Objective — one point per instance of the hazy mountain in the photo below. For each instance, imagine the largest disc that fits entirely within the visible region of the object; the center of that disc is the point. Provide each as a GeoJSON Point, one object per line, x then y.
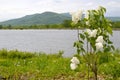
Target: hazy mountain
{"type": "Point", "coordinates": [114, 18]}
{"type": "Point", "coordinates": [66, 14]}
{"type": "Point", "coordinates": [43, 18]}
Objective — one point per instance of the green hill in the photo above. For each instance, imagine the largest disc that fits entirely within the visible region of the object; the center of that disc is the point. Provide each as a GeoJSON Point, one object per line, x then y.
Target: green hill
{"type": "Point", "coordinates": [38, 19]}
{"type": "Point", "coordinates": [43, 18]}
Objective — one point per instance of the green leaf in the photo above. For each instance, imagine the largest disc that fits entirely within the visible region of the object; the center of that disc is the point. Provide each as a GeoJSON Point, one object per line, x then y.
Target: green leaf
{"type": "Point", "coordinates": [82, 36]}
{"type": "Point", "coordinates": [82, 49]}
{"type": "Point", "coordinates": [73, 24]}
{"type": "Point", "coordinates": [78, 44]}
{"type": "Point", "coordinates": [78, 51]}
{"type": "Point", "coordinates": [104, 9]}
{"type": "Point", "coordinates": [81, 42]}
{"type": "Point", "coordinates": [112, 47]}
{"type": "Point", "coordinates": [74, 44]}
{"type": "Point", "coordinates": [110, 42]}
{"type": "Point", "coordinates": [107, 49]}
{"type": "Point", "coordinates": [109, 29]}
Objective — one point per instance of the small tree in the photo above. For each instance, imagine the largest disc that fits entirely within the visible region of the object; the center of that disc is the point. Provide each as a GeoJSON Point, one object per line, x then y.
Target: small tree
{"type": "Point", "coordinates": [96, 32]}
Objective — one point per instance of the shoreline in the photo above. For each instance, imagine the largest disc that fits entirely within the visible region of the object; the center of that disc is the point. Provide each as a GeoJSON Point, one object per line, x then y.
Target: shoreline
{"type": "Point", "coordinates": [116, 29]}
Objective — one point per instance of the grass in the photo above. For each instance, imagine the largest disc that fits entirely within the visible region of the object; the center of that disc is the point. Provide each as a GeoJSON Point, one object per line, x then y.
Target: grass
{"type": "Point", "coordinates": [17, 65]}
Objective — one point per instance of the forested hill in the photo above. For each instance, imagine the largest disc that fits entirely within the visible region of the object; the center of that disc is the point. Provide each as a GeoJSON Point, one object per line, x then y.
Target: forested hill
{"type": "Point", "coordinates": [38, 19]}
{"type": "Point", "coordinates": [45, 18]}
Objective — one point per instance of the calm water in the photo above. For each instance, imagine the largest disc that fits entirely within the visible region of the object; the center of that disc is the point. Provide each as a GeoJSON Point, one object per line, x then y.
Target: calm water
{"type": "Point", "coordinates": [48, 41]}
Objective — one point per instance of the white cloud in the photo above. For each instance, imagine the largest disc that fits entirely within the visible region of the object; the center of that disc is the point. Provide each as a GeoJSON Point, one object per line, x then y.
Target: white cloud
{"type": "Point", "coordinates": [17, 8]}
{"type": "Point", "coordinates": [113, 4]}
{"type": "Point", "coordinates": [89, 4]}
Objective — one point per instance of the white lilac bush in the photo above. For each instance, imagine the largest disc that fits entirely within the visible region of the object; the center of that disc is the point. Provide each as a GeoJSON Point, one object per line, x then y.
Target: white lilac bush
{"type": "Point", "coordinates": [96, 30]}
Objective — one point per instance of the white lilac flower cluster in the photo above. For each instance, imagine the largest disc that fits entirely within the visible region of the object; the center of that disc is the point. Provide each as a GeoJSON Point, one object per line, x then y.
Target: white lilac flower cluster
{"type": "Point", "coordinates": [76, 16]}
{"type": "Point", "coordinates": [74, 63]}
{"type": "Point", "coordinates": [99, 40]}
{"type": "Point", "coordinates": [91, 33]}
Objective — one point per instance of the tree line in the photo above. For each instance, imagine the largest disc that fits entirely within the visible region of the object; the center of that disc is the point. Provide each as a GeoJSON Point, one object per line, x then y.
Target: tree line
{"type": "Point", "coordinates": [65, 25]}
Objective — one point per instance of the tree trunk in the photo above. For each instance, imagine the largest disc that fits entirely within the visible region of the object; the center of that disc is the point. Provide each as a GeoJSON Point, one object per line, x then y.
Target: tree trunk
{"type": "Point", "coordinates": [95, 75]}
{"type": "Point", "coordinates": [95, 71]}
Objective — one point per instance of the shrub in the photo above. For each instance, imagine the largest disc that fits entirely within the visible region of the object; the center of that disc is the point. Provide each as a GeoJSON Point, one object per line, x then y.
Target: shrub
{"type": "Point", "coordinates": [3, 53]}
{"type": "Point", "coordinates": [16, 54]}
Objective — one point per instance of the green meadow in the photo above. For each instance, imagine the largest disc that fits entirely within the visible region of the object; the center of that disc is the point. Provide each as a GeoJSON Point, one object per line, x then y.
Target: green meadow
{"type": "Point", "coordinates": [17, 65]}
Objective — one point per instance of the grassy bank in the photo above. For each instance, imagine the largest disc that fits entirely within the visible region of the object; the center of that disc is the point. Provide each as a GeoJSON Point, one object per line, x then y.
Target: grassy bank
{"type": "Point", "coordinates": [17, 65]}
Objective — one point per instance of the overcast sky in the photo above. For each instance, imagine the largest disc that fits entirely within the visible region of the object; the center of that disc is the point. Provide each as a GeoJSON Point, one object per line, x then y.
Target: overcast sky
{"type": "Point", "coordinates": [10, 9]}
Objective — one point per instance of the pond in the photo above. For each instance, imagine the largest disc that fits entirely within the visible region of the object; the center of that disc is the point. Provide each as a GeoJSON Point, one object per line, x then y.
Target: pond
{"type": "Point", "coordinates": [48, 41]}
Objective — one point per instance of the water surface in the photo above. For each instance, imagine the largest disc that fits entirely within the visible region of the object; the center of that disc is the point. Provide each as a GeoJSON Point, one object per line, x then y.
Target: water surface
{"type": "Point", "coordinates": [48, 41]}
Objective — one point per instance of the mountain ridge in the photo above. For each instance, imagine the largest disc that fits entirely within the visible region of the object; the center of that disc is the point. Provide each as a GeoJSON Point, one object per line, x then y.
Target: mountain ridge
{"type": "Point", "coordinates": [38, 19]}
{"type": "Point", "coordinates": [44, 18]}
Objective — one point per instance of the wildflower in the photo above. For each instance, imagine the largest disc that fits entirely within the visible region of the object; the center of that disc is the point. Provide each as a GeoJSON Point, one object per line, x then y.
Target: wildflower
{"type": "Point", "coordinates": [76, 16]}
{"type": "Point", "coordinates": [99, 45]}
{"type": "Point", "coordinates": [99, 39]}
{"type": "Point", "coordinates": [73, 66]}
{"type": "Point", "coordinates": [118, 62]}
{"type": "Point", "coordinates": [17, 65]}
{"type": "Point", "coordinates": [75, 60]}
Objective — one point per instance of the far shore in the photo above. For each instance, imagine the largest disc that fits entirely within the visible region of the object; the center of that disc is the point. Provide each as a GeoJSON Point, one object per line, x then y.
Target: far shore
{"type": "Point", "coordinates": [116, 29]}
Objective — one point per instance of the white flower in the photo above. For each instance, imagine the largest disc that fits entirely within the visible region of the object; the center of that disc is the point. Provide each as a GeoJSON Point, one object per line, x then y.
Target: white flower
{"type": "Point", "coordinates": [73, 66]}
{"type": "Point", "coordinates": [99, 39]}
{"type": "Point", "coordinates": [88, 31]}
{"type": "Point", "coordinates": [99, 42]}
{"type": "Point", "coordinates": [93, 33]}
{"type": "Point", "coordinates": [76, 16]}
{"type": "Point", "coordinates": [99, 45]}
{"type": "Point", "coordinates": [75, 60]}
{"type": "Point", "coordinates": [74, 63]}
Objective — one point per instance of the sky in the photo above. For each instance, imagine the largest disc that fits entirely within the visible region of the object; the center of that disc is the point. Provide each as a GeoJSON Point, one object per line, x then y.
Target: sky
{"type": "Point", "coordinates": [10, 9]}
